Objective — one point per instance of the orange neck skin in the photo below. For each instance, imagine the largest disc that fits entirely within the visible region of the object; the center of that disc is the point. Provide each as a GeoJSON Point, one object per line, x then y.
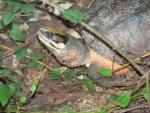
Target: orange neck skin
{"type": "Point", "coordinates": [105, 63]}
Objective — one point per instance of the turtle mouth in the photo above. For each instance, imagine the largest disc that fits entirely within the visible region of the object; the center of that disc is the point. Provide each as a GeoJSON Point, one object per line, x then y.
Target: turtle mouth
{"type": "Point", "coordinates": [50, 40]}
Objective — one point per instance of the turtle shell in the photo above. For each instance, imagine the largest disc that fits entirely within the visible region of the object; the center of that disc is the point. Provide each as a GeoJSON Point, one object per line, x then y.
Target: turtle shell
{"type": "Point", "coordinates": [126, 23]}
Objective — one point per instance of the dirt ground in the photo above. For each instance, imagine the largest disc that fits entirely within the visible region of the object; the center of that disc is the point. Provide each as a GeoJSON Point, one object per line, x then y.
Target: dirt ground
{"type": "Point", "coordinates": [50, 96]}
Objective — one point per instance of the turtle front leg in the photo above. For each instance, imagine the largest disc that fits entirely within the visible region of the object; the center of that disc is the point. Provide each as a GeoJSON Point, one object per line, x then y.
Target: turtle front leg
{"type": "Point", "coordinates": [115, 81]}
{"type": "Point", "coordinates": [98, 62]}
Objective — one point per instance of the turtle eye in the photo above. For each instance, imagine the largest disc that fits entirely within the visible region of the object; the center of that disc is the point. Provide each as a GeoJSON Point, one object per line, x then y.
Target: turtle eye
{"type": "Point", "coordinates": [47, 34]}
{"type": "Point", "coordinates": [50, 35]}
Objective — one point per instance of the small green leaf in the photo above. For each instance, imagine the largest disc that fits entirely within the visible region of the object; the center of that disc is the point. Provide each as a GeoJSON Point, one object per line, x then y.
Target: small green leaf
{"type": "Point", "coordinates": [101, 111]}
{"type": "Point", "coordinates": [14, 79]}
{"type": "Point", "coordinates": [17, 35]}
{"type": "Point", "coordinates": [105, 72]}
{"type": "Point", "coordinates": [146, 93]}
{"type": "Point", "coordinates": [33, 88]}
{"type": "Point", "coordinates": [1, 24]}
{"type": "Point", "coordinates": [55, 74]}
{"type": "Point", "coordinates": [22, 99]}
{"type": "Point", "coordinates": [113, 97]}
{"type": "Point", "coordinates": [5, 72]}
{"type": "Point", "coordinates": [33, 65]}
{"type": "Point", "coordinates": [14, 85]}
{"type": "Point", "coordinates": [66, 109]}
{"type": "Point", "coordinates": [123, 99]}
{"type": "Point", "coordinates": [27, 8]}
{"type": "Point", "coordinates": [68, 74]}
{"type": "Point", "coordinates": [7, 18]}
{"type": "Point", "coordinates": [4, 94]}
{"type": "Point", "coordinates": [39, 67]}
{"type": "Point", "coordinates": [9, 108]}
{"type": "Point", "coordinates": [36, 56]}
{"type": "Point", "coordinates": [15, 7]}
{"type": "Point", "coordinates": [1, 57]}
{"type": "Point", "coordinates": [21, 53]}
{"type": "Point", "coordinates": [89, 84]}
{"type": "Point", "coordinates": [16, 25]}
{"type": "Point", "coordinates": [74, 16]}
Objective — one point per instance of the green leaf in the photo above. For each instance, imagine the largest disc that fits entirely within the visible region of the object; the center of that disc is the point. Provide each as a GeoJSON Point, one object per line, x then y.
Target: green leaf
{"type": "Point", "coordinates": [146, 93]}
{"type": "Point", "coordinates": [14, 79]}
{"type": "Point", "coordinates": [1, 61]}
{"type": "Point", "coordinates": [1, 24]}
{"type": "Point", "coordinates": [14, 85]}
{"type": "Point", "coordinates": [17, 35]}
{"type": "Point", "coordinates": [9, 108]}
{"type": "Point", "coordinates": [7, 18]}
{"type": "Point", "coordinates": [66, 109]}
{"type": "Point", "coordinates": [22, 98]}
{"type": "Point", "coordinates": [74, 16]}
{"type": "Point", "coordinates": [101, 111]}
{"type": "Point", "coordinates": [16, 25]}
{"type": "Point", "coordinates": [105, 72]}
{"type": "Point", "coordinates": [15, 7]}
{"type": "Point", "coordinates": [4, 94]}
{"type": "Point", "coordinates": [39, 67]}
{"type": "Point", "coordinates": [33, 65]}
{"type": "Point", "coordinates": [27, 8]}
{"type": "Point", "coordinates": [33, 87]}
{"type": "Point", "coordinates": [36, 56]}
{"type": "Point", "coordinates": [5, 72]}
{"type": "Point", "coordinates": [113, 97]}
{"type": "Point", "coordinates": [89, 84]}
{"type": "Point", "coordinates": [55, 74]}
{"type": "Point", "coordinates": [123, 99]}
{"type": "Point", "coordinates": [68, 74]}
{"type": "Point", "coordinates": [21, 53]}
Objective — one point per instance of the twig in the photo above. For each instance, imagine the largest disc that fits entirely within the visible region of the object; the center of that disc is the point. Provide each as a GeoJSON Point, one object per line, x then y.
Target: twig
{"type": "Point", "coordinates": [148, 86]}
{"type": "Point", "coordinates": [39, 62]}
{"type": "Point", "coordinates": [142, 81]}
{"type": "Point", "coordinates": [14, 51]}
{"type": "Point", "coordinates": [90, 3]}
{"type": "Point", "coordinates": [137, 59]}
{"type": "Point", "coordinates": [132, 108]}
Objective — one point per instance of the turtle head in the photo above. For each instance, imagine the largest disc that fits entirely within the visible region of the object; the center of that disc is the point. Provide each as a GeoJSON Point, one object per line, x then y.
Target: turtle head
{"type": "Point", "coordinates": [68, 50]}
{"type": "Point", "coordinates": [52, 42]}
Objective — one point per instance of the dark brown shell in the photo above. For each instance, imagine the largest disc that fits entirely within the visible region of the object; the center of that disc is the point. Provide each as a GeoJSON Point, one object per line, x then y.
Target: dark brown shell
{"type": "Point", "coordinates": [125, 22]}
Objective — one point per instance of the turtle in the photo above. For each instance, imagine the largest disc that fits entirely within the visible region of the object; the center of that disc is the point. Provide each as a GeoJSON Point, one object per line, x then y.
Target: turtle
{"type": "Point", "coordinates": [125, 23]}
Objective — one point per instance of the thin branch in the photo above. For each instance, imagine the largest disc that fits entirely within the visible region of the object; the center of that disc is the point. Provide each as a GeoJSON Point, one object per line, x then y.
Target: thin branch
{"type": "Point", "coordinates": [137, 59]}
{"type": "Point", "coordinates": [142, 81]}
{"type": "Point", "coordinates": [148, 86]}
{"type": "Point", "coordinates": [131, 109]}
{"type": "Point", "coordinates": [39, 62]}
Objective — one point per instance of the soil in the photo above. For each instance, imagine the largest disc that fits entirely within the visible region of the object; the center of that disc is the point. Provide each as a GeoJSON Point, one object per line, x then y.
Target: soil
{"type": "Point", "coordinates": [52, 95]}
